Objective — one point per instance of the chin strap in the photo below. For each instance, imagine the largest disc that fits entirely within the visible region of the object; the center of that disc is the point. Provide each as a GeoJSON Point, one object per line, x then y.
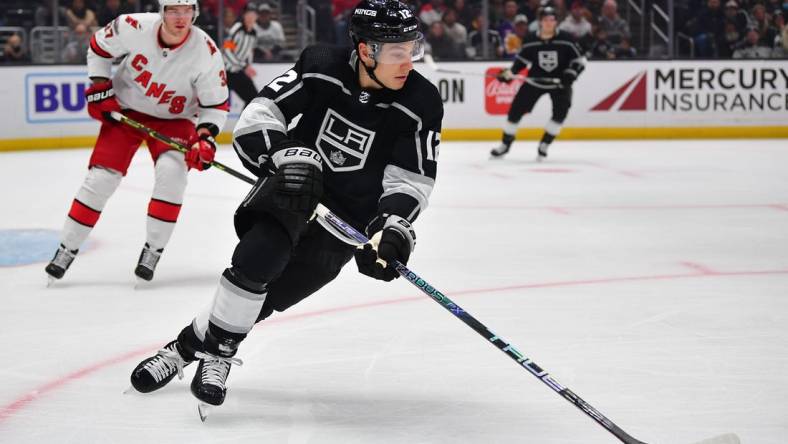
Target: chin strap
{"type": "Point", "coordinates": [370, 71]}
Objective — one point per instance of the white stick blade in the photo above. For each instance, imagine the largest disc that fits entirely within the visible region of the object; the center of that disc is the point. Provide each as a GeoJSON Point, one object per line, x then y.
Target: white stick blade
{"type": "Point", "coordinates": [728, 438]}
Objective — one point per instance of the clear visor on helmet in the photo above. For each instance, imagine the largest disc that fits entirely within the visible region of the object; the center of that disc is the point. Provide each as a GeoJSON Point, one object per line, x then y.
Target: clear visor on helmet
{"type": "Point", "coordinates": [398, 53]}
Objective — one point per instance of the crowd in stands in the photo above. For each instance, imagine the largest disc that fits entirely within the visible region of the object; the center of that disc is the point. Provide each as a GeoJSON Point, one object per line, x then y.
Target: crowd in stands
{"type": "Point", "coordinates": [452, 28]}
{"type": "Point", "coordinates": [743, 29]}
{"type": "Point", "coordinates": [80, 18]}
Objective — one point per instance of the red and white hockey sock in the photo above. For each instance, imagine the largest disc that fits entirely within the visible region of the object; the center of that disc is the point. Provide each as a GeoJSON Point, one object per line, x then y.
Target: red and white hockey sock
{"type": "Point", "coordinates": [87, 206]}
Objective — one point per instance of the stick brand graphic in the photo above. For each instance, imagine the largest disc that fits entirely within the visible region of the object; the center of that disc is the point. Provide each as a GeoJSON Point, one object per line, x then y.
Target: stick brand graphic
{"type": "Point", "coordinates": [631, 96]}
{"type": "Point", "coordinates": [345, 144]}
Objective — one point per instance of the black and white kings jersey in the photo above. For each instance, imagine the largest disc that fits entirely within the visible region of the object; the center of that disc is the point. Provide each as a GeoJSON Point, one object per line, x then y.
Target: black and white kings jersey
{"type": "Point", "coordinates": [379, 148]}
{"type": "Point", "coordinates": [547, 60]}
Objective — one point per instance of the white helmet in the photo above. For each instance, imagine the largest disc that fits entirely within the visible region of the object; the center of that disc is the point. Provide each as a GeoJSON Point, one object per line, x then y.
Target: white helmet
{"type": "Point", "coordinates": [193, 3]}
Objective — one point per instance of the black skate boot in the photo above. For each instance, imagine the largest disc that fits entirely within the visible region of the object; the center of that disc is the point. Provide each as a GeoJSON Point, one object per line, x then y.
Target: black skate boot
{"type": "Point", "coordinates": [500, 150]}
{"type": "Point", "coordinates": [209, 381]}
{"type": "Point", "coordinates": [157, 371]}
{"type": "Point", "coordinates": [542, 151]}
{"type": "Point", "coordinates": [60, 262]}
{"type": "Point", "coordinates": [146, 264]}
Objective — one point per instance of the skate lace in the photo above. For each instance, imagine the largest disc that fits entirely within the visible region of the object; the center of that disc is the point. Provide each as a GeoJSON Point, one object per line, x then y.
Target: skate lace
{"type": "Point", "coordinates": [149, 258]}
{"type": "Point", "coordinates": [166, 362]}
{"type": "Point", "coordinates": [216, 368]}
{"type": "Point", "coordinates": [63, 258]}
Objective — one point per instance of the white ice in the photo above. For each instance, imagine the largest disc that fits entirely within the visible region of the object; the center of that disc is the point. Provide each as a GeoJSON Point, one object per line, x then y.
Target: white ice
{"type": "Point", "coordinates": [651, 278]}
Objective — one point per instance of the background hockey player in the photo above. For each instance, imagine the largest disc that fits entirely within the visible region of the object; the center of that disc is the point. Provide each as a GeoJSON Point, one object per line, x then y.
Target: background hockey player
{"type": "Point", "coordinates": [554, 61]}
{"type": "Point", "coordinates": [171, 72]}
{"type": "Point", "coordinates": [372, 131]}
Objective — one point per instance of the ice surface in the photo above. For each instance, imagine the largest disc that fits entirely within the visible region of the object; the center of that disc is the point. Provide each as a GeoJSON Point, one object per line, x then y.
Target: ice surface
{"type": "Point", "coordinates": [649, 277]}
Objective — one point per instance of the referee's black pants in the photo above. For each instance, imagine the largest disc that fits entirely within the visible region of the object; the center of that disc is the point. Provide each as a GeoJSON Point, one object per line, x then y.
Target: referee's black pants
{"type": "Point", "coordinates": [242, 85]}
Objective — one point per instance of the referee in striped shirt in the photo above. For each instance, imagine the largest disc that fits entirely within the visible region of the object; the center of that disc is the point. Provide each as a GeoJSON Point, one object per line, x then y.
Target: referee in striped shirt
{"type": "Point", "coordinates": [238, 52]}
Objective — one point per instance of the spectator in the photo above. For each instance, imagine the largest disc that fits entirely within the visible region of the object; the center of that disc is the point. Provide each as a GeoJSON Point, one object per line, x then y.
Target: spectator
{"type": "Point", "coordinates": [14, 50]}
{"type": "Point", "coordinates": [601, 47]}
{"type": "Point", "coordinates": [110, 10]}
{"type": "Point", "coordinates": [341, 14]}
{"type": "Point", "coordinates": [531, 10]}
{"type": "Point", "coordinates": [576, 23]}
{"type": "Point", "coordinates": [79, 13]}
{"type": "Point", "coordinates": [732, 39]}
{"type": "Point", "coordinates": [270, 35]}
{"type": "Point", "coordinates": [455, 30]}
{"type": "Point", "coordinates": [624, 50]}
{"type": "Point", "coordinates": [228, 20]}
{"type": "Point", "coordinates": [751, 48]}
{"type": "Point", "coordinates": [506, 25]}
{"type": "Point", "coordinates": [212, 6]}
{"type": "Point", "coordinates": [761, 20]}
{"type": "Point", "coordinates": [710, 29]}
{"type": "Point", "coordinates": [44, 16]}
{"type": "Point", "coordinates": [514, 40]}
{"type": "Point", "coordinates": [76, 49]}
{"type": "Point", "coordinates": [464, 13]}
{"type": "Point", "coordinates": [440, 45]}
{"type": "Point", "coordinates": [736, 16]}
{"type": "Point", "coordinates": [781, 45]}
{"type": "Point", "coordinates": [431, 12]}
{"type": "Point", "coordinates": [615, 27]}
{"type": "Point", "coordinates": [474, 47]}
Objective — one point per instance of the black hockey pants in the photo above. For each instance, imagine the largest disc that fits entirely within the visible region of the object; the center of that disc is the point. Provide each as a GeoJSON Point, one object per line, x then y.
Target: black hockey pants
{"type": "Point", "coordinates": [526, 98]}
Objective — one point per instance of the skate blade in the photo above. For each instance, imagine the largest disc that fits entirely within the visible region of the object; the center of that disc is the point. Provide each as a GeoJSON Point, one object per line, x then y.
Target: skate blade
{"type": "Point", "coordinates": [540, 158]}
{"type": "Point", "coordinates": [50, 281]}
{"type": "Point", "coordinates": [204, 409]}
{"type": "Point", "coordinates": [140, 284]}
{"type": "Point", "coordinates": [129, 390]}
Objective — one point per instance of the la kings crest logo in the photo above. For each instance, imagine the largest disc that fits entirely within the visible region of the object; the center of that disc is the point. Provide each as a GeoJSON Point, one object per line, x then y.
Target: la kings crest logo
{"type": "Point", "coordinates": [342, 143]}
{"type": "Point", "coordinates": [548, 60]}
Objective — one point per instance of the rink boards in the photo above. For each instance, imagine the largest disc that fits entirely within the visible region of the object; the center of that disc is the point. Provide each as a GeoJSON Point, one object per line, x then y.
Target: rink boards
{"type": "Point", "coordinates": [44, 106]}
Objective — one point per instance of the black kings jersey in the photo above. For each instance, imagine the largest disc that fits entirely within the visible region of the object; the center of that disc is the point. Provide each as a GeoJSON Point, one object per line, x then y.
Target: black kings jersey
{"type": "Point", "coordinates": [547, 60]}
{"type": "Point", "coordinates": [379, 148]}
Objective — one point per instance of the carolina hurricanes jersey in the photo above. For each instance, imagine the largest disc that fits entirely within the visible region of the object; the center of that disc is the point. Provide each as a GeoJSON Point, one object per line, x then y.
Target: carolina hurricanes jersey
{"type": "Point", "coordinates": [178, 82]}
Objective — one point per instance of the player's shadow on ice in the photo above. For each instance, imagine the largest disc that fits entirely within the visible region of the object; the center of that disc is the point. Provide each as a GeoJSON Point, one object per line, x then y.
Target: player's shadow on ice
{"type": "Point", "coordinates": [411, 412]}
{"type": "Point", "coordinates": [130, 283]}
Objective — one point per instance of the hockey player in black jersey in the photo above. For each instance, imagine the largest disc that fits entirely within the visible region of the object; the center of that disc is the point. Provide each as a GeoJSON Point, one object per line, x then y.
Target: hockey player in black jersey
{"type": "Point", "coordinates": [366, 146]}
{"type": "Point", "coordinates": [554, 61]}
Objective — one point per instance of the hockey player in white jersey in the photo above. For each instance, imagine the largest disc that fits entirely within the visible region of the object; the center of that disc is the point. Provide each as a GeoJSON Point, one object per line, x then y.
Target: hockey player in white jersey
{"type": "Point", "coordinates": [171, 79]}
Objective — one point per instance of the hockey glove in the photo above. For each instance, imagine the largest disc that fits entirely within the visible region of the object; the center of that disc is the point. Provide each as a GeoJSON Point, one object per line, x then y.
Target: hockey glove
{"type": "Point", "coordinates": [101, 101]}
{"type": "Point", "coordinates": [505, 76]}
{"type": "Point", "coordinates": [201, 153]}
{"type": "Point", "coordinates": [568, 78]}
{"type": "Point", "coordinates": [394, 240]}
{"type": "Point", "coordinates": [298, 181]}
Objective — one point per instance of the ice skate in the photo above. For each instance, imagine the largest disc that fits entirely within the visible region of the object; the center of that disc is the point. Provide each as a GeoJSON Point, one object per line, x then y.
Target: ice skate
{"type": "Point", "coordinates": [542, 152]}
{"type": "Point", "coordinates": [59, 264]}
{"type": "Point", "coordinates": [499, 151]}
{"type": "Point", "coordinates": [208, 384]}
{"type": "Point", "coordinates": [157, 371]}
{"type": "Point", "coordinates": [146, 265]}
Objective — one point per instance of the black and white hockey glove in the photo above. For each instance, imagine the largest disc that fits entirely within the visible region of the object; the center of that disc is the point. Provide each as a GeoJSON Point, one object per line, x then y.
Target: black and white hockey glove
{"type": "Point", "coordinates": [505, 76]}
{"type": "Point", "coordinates": [394, 240]}
{"type": "Point", "coordinates": [568, 77]}
{"type": "Point", "coordinates": [298, 181]}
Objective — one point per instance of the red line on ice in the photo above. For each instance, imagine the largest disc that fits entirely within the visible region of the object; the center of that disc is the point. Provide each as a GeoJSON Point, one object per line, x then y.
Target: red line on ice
{"type": "Point", "coordinates": [22, 402]}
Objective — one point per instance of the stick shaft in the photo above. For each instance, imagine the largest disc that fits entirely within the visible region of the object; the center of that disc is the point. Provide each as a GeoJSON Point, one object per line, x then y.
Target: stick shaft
{"type": "Point", "coordinates": [485, 332]}
{"type": "Point", "coordinates": [153, 134]}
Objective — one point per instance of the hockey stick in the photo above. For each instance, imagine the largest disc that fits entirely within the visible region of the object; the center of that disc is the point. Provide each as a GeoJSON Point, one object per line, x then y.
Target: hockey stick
{"type": "Point", "coordinates": [533, 368]}
{"type": "Point", "coordinates": [348, 234]}
{"type": "Point", "coordinates": [480, 328]}
{"type": "Point", "coordinates": [430, 62]}
{"type": "Point", "coordinates": [153, 134]}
